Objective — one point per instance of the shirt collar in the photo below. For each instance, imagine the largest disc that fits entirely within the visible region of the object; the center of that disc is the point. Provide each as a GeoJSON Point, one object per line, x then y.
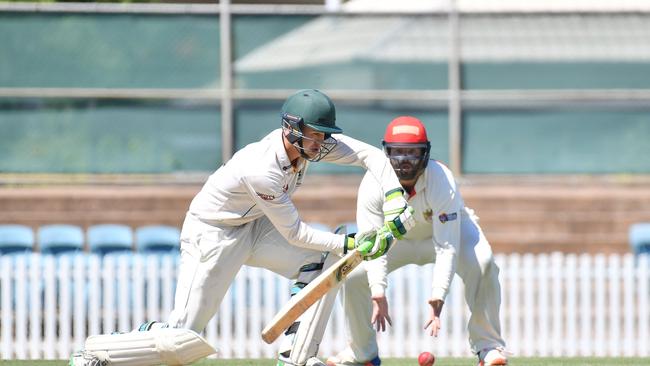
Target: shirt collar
{"type": "Point", "coordinates": [421, 183]}
{"type": "Point", "coordinates": [283, 157]}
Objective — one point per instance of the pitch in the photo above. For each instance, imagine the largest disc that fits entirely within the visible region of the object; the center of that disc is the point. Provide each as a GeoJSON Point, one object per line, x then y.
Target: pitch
{"type": "Point", "coordinates": [514, 361]}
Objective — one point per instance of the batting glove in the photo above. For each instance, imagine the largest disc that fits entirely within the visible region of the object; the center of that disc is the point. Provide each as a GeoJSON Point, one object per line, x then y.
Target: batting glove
{"type": "Point", "coordinates": [349, 243]}
{"type": "Point", "coordinates": [373, 244]}
{"type": "Point", "coordinates": [398, 214]}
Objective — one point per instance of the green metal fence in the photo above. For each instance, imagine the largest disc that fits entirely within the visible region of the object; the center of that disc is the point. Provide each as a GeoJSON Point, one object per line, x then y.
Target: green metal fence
{"type": "Point", "coordinates": [138, 89]}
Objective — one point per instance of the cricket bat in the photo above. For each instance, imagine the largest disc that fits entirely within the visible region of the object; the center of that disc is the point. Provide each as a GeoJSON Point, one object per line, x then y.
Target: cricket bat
{"type": "Point", "coordinates": [306, 297]}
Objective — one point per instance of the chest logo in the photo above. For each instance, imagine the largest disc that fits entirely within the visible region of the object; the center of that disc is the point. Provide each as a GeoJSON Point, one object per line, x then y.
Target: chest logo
{"type": "Point", "coordinates": [428, 214]}
{"type": "Point", "coordinates": [444, 217]}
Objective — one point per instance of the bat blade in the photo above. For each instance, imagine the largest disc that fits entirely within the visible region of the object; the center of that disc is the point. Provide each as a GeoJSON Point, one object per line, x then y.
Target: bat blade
{"type": "Point", "coordinates": [306, 297]}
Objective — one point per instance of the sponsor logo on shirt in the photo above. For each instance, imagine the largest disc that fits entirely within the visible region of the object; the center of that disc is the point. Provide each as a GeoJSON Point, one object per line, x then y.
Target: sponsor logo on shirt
{"type": "Point", "coordinates": [266, 197]}
{"type": "Point", "coordinates": [444, 217]}
{"type": "Point", "coordinates": [428, 214]}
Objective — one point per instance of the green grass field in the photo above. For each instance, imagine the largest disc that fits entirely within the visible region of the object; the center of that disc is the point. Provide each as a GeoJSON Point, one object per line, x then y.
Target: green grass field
{"type": "Point", "coordinates": [515, 361]}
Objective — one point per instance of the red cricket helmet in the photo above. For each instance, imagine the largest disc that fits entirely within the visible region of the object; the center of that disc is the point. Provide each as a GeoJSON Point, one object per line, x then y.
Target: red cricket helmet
{"type": "Point", "coordinates": [407, 146]}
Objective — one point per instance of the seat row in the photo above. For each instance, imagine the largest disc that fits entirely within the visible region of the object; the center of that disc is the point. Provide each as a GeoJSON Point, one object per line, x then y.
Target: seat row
{"type": "Point", "coordinates": [101, 239]}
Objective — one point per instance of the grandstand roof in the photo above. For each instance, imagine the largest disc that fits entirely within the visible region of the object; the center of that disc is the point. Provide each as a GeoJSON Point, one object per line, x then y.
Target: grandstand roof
{"type": "Point", "coordinates": [493, 37]}
{"type": "Point", "coordinates": [497, 5]}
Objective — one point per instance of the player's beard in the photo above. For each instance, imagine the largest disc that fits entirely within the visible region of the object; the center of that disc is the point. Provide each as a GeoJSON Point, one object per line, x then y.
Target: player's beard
{"type": "Point", "coordinates": [405, 169]}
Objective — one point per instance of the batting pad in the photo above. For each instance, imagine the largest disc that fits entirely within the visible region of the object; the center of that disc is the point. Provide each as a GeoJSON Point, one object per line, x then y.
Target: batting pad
{"type": "Point", "coordinates": [167, 346]}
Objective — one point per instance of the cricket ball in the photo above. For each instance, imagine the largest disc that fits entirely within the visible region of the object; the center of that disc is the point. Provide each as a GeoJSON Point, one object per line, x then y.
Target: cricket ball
{"type": "Point", "coordinates": [426, 359]}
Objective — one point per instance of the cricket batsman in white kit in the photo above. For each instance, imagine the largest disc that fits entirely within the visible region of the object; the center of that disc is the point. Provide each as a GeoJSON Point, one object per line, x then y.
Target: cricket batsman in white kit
{"type": "Point", "coordinates": [446, 232]}
{"type": "Point", "coordinates": [244, 215]}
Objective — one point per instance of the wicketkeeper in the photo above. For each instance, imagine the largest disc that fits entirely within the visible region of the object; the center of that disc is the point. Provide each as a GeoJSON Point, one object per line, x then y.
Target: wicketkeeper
{"type": "Point", "coordinates": [244, 215]}
{"type": "Point", "coordinates": [446, 233]}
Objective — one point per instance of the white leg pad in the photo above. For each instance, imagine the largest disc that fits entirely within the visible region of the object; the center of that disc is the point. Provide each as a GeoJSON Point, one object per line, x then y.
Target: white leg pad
{"type": "Point", "coordinates": [167, 346]}
{"type": "Point", "coordinates": [313, 323]}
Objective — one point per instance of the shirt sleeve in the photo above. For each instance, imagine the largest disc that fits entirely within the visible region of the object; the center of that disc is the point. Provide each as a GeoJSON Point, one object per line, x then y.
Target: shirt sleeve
{"type": "Point", "coordinates": [268, 195]}
{"type": "Point", "coordinates": [370, 216]}
{"type": "Point", "coordinates": [350, 151]}
{"type": "Point", "coordinates": [446, 203]}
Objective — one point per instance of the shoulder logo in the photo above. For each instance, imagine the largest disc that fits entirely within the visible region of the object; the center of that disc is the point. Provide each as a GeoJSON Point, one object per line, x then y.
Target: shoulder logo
{"type": "Point", "coordinates": [266, 197]}
{"type": "Point", "coordinates": [444, 217]}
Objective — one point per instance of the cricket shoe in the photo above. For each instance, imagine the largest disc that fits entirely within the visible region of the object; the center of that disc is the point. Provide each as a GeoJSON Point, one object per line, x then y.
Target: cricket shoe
{"type": "Point", "coordinates": [492, 357]}
{"type": "Point", "coordinates": [84, 358]}
{"type": "Point", "coordinates": [345, 358]}
{"type": "Point", "coordinates": [312, 361]}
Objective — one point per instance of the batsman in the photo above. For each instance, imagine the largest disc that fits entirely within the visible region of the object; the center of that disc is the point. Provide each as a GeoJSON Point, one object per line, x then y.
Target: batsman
{"type": "Point", "coordinates": [446, 233]}
{"type": "Point", "coordinates": [244, 215]}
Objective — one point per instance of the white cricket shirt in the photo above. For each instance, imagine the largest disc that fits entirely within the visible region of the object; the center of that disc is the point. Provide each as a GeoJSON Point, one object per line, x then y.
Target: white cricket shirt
{"type": "Point", "coordinates": [259, 180]}
{"type": "Point", "coordinates": [439, 209]}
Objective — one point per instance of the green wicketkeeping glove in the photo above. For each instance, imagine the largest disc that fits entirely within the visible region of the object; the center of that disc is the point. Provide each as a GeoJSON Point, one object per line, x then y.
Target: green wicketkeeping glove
{"type": "Point", "coordinates": [398, 214]}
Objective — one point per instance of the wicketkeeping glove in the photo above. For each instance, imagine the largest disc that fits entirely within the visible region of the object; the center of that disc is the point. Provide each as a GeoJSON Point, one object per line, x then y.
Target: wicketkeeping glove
{"type": "Point", "coordinates": [398, 214]}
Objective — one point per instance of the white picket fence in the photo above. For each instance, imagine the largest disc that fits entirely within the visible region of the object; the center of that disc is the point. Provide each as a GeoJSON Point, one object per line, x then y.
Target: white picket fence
{"type": "Point", "coordinates": [552, 305]}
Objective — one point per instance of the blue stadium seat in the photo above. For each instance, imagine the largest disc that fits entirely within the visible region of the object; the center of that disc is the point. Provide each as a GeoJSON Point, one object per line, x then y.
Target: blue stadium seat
{"type": "Point", "coordinates": [639, 235]}
{"type": "Point", "coordinates": [157, 239]}
{"type": "Point", "coordinates": [59, 239]}
{"type": "Point", "coordinates": [16, 239]}
{"type": "Point", "coordinates": [110, 238]}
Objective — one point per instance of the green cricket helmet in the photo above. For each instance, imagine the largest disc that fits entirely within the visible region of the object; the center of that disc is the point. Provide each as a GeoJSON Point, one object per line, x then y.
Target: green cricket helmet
{"type": "Point", "coordinates": [314, 109]}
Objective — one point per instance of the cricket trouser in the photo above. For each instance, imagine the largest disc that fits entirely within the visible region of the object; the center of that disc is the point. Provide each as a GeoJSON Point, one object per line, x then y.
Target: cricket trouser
{"type": "Point", "coordinates": [212, 255]}
{"type": "Point", "coordinates": [475, 267]}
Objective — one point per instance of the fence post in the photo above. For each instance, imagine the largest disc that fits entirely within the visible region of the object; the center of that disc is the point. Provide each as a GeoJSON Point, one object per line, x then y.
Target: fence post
{"type": "Point", "coordinates": [6, 324]}
{"type": "Point", "coordinates": [600, 285]}
{"type": "Point", "coordinates": [35, 341]}
{"type": "Point", "coordinates": [65, 312]}
{"type": "Point", "coordinates": [79, 301]}
{"type": "Point", "coordinates": [50, 315]}
{"type": "Point", "coordinates": [571, 337]}
{"type": "Point", "coordinates": [512, 332]}
{"type": "Point", "coordinates": [614, 314]}
{"type": "Point", "coordinates": [643, 293]}
{"type": "Point", "coordinates": [586, 303]}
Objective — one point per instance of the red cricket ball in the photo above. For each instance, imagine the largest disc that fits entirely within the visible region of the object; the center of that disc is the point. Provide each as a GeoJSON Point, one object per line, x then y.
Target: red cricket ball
{"type": "Point", "coordinates": [426, 359]}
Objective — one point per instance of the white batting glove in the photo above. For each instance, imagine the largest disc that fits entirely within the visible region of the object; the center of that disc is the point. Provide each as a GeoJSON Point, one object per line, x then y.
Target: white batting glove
{"type": "Point", "coordinates": [398, 214]}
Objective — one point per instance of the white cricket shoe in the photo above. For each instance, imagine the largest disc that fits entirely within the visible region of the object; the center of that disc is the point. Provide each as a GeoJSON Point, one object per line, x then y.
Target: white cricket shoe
{"type": "Point", "coordinates": [84, 358]}
{"type": "Point", "coordinates": [312, 361]}
{"type": "Point", "coordinates": [492, 357]}
{"type": "Point", "coordinates": [345, 358]}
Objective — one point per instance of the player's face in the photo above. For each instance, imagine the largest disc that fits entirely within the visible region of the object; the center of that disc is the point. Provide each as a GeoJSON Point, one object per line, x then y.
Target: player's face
{"type": "Point", "coordinates": [411, 157]}
{"type": "Point", "coordinates": [312, 141]}
{"type": "Point", "coordinates": [406, 160]}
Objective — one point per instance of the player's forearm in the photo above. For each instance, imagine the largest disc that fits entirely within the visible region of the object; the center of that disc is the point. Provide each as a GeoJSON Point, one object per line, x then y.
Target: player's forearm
{"type": "Point", "coordinates": [377, 276]}
{"type": "Point", "coordinates": [306, 237]}
{"type": "Point", "coordinates": [436, 305]}
{"type": "Point", "coordinates": [443, 273]}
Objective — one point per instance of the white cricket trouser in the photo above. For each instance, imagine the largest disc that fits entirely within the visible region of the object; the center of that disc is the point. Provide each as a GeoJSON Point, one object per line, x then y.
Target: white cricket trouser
{"type": "Point", "coordinates": [475, 267]}
{"type": "Point", "coordinates": [211, 257]}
